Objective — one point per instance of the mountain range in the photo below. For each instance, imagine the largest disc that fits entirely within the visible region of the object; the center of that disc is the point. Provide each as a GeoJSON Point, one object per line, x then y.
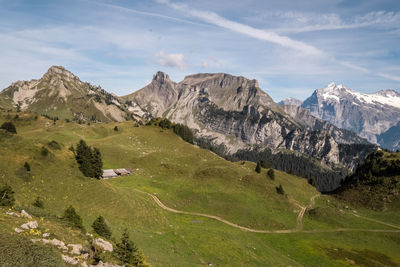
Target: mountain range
{"type": "Point", "coordinates": [230, 115]}
{"type": "Point", "coordinates": [375, 117]}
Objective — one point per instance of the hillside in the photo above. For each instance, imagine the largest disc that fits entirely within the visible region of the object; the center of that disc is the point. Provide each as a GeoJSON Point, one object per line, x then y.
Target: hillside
{"type": "Point", "coordinates": [195, 182]}
{"type": "Point", "coordinates": [375, 184]}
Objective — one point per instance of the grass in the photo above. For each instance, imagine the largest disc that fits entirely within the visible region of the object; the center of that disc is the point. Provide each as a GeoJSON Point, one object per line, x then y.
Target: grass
{"type": "Point", "coordinates": [186, 178]}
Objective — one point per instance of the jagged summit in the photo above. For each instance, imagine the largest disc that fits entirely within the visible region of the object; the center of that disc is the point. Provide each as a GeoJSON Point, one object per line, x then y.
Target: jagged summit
{"type": "Point", "coordinates": [59, 70]}
{"type": "Point", "coordinates": [161, 76]}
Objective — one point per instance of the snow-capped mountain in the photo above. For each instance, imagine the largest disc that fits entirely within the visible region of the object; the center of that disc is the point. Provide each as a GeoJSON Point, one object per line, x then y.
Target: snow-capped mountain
{"type": "Point", "coordinates": [369, 115]}
{"type": "Point", "coordinates": [290, 101]}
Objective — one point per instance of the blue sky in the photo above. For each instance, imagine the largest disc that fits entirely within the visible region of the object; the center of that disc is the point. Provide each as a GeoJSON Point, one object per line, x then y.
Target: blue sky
{"type": "Point", "coordinates": [290, 47]}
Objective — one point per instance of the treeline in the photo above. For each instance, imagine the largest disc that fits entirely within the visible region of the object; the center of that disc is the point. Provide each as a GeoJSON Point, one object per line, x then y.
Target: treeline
{"type": "Point", "coordinates": [179, 129]}
{"type": "Point", "coordinates": [323, 179]}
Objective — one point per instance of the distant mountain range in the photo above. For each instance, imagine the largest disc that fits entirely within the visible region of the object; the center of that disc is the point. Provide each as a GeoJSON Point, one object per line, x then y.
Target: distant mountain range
{"type": "Point", "coordinates": [375, 117]}
{"type": "Point", "coordinates": [230, 115]}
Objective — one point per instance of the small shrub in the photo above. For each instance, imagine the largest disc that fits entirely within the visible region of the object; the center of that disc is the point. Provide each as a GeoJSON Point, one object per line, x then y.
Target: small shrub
{"type": "Point", "coordinates": [44, 151]}
{"type": "Point", "coordinates": [54, 145]}
{"type": "Point", "coordinates": [73, 218]}
{"type": "Point", "coordinates": [101, 228]}
{"type": "Point", "coordinates": [258, 167]}
{"type": "Point", "coordinates": [279, 190]}
{"type": "Point", "coordinates": [116, 128]}
{"type": "Point", "coordinates": [9, 127]}
{"type": "Point", "coordinates": [27, 167]}
{"type": "Point", "coordinates": [6, 196]}
{"type": "Point", "coordinates": [271, 174]}
{"type": "Point", "coordinates": [38, 203]}
{"type": "Point", "coordinates": [165, 124]}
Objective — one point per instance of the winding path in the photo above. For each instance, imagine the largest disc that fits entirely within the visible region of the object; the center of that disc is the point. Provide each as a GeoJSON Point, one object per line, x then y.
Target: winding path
{"type": "Point", "coordinates": [299, 226]}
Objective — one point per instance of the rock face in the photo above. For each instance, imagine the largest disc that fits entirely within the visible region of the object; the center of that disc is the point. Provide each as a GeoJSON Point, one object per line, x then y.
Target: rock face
{"type": "Point", "coordinates": [102, 244]}
{"type": "Point", "coordinates": [235, 113]}
{"type": "Point", "coordinates": [61, 94]}
{"type": "Point", "coordinates": [368, 115]}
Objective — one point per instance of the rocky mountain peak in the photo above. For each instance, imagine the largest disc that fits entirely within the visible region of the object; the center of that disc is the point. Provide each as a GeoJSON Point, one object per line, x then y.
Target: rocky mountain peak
{"type": "Point", "coordinates": [59, 72]}
{"type": "Point", "coordinates": [161, 77]}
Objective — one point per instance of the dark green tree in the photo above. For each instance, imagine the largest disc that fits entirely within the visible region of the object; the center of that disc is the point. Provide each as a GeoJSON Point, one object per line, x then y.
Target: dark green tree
{"type": "Point", "coordinates": [27, 167]}
{"type": "Point", "coordinates": [271, 174]}
{"type": "Point", "coordinates": [101, 228]}
{"type": "Point", "coordinates": [73, 218]}
{"type": "Point", "coordinates": [116, 128]}
{"type": "Point", "coordinates": [6, 196]}
{"type": "Point", "coordinates": [165, 124]}
{"type": "Point", "coordinates": [184, 132]}
{"type": "Point", "coordinates": [279, 190]}
{"type": "Point", "coordinates": [89, 160]}
{"type": "Point", "coordinates": [258, 167]}
{"type": "Point", "coordinates": [9, 127]}
{"type": "Point", "coordinates": [127, 252]}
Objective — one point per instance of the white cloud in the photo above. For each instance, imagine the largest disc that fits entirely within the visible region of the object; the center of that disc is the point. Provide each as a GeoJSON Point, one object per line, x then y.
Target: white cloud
{"type": "Point", "coordinates": [171, 60]}
{"type": "Point", "coordinates": [268, 36]}
{"type": "Point", "coordinates": [306, 22]}
{"type": "Point", "coordinates": [209, 62]}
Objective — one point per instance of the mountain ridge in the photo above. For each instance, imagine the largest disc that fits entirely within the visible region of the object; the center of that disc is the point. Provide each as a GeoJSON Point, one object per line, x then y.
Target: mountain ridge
{"type": "Point", "coordinates": [368, 115]}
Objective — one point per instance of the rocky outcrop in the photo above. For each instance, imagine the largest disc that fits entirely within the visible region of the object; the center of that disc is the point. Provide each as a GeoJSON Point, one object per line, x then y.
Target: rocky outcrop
{"type": "Point", "coordinates": [102, 245]}
{"type": "Point", "coordinates": [368, 115]}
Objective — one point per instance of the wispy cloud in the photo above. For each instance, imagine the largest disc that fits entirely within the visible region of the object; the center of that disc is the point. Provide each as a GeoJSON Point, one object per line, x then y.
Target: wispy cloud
{"type": "Point", "coordinates": [307, 22]}
{"type": "Point", "coordinates": [171, 60]}
{"type": "Point", "coordinates": [268, 36]}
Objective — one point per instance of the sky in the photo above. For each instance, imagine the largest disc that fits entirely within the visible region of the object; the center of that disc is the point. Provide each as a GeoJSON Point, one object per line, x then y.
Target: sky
{"type": "Point", "coordinates": [290, 47]}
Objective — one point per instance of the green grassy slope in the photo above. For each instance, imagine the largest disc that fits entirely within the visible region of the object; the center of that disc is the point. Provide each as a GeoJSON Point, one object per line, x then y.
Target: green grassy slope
{"type": "Point", "coordinates": [184, 178]}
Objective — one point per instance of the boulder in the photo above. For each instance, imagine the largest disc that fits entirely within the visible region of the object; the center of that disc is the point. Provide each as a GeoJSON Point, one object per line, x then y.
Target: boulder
{"type": "Point", "coordinates": [102, 244]}
{"type": "Point", "coordinates": [17, 230]}
{"type": "Point", "coordinates": [69, 260]}
{"type": "Point", "coordinates": [46, 234]}
{"type": "Point", "coordinates": [59, 244]}
{"type": "Point", "coordinates": [76, 248]}
{"type": "Point", "coordinates": [25, 214]}
{"type": "Point", "coordinates": [30, 225]}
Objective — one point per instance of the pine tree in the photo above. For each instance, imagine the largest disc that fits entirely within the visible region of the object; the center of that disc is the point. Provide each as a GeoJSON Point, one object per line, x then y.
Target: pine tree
{"type": "Point", "coordinates": [73, 218]}
{"type": "Point", "coordinates": [27, 167]}
{"type": "Point", "coordinates": [6, 196]}
{"type": "Point", "coordinates": [279, 190]}
{"type": "Point", "coordinates": [9, 127]}
{"type": "Point", "coordinates": [101, 228]}
{"type": "Point", "coordinates": [258, 167]}
{"type": "Point", "coordinates": [126, 250]}
{"type": "Point", "coordinates": [89, 160]}
{"type": "Point", "coordinates": [271, 174]}
{"type": "Point", "coordinates": [128, 253]}
{"type": "Point", "coordinates": [97, 163]}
